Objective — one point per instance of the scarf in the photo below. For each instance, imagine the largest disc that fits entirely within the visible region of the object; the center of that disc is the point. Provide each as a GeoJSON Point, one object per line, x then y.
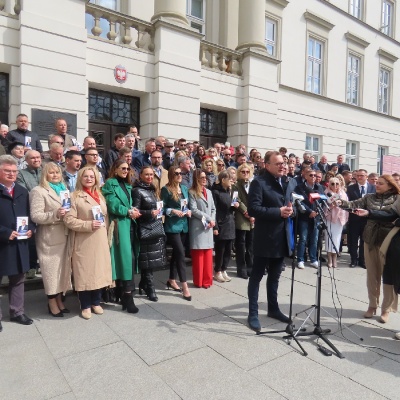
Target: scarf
{"type": "Point", "coordinates": [94, 195]}
{"type": "Point", "coordinates": [57, 187]}
{"type": "Point", "coordinates": [204, 192]}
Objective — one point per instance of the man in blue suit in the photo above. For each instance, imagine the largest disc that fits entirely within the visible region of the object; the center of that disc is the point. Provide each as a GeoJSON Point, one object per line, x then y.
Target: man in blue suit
{"type": "Point", "coordinates": [145, 158]}
{"type": "Point", "coordinates": [356, 224]}
{"type": "Point", "coordinates": [267, 203]}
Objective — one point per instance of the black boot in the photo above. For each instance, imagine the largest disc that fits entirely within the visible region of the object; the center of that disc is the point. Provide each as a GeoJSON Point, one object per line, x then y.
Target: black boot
{"type": "Point", "coordinates": [128, 304]}
{"type": "Point", "coordinates": [150, 289]}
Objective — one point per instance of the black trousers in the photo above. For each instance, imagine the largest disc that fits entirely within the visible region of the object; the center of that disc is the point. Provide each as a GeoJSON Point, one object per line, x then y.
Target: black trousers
{"type": "Point", "coordinates": [177, 264]}
{"type": "Point", "coordinates": [223, 250]}
{"type": "Point", "coordinates": [33, 258]}
{"type": "Point", "coordinates": [244, 250]}
{"type": "Point", "coordinates": [354, 234]}
{"type": "Point", "coordinates": [274, 268]}
{"type": "Point", "coordinates": [89, 298]}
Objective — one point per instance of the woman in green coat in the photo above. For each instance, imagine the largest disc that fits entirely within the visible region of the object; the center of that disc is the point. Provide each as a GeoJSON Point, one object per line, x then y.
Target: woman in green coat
{"type": "Point", "coordinates": [176, 203]}
{"type": "Point", "coordinates": [117, 192]}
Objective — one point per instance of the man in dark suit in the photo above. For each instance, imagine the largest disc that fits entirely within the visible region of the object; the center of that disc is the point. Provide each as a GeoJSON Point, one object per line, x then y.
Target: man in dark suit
{"type": "Point", "coordinates": [23, 228]}
{"type": "Point", "coordinates": [341, 165]}
{"type": "Point", "coordinates": [308, 221]}
{"type": "Point", "coordinates": [66, 203]}
{"type": "Point", "coordinates": [14, 254]}
{"type": "Point", "coordinates": [356, 224]}
{"type": "Point", "coordinates": [267, 204]}
{"type": "Point", "coordinates": [323, 164]}
{"type": "Point", "coordinates": [145, 158]}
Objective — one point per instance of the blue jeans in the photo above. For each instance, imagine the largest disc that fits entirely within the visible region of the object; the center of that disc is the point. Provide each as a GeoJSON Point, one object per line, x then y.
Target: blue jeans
{"type": "Point", "coordinates": [308, 234]}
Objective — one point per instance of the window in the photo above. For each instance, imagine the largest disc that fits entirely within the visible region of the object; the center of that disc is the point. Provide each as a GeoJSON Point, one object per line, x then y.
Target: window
{"type": "Point", "coordinates": [312, 146]}
{"type": "Point", "coordinates": [270, 36]}
{"type": "Point", "coordinates": [382, 151]}
{"type": "Point", "coordinates": [355, 8]}
{"type": "Point", "coordinates": [353, 79]}
{"type": "Point", "coordinates": [314, 66]}
{"type": "Point", "coordinates": [351, 155]}
{"type": "Point", "coordinates": [195, 14]}
{"type": "Point", "coordinates": [4, 98]}
{"type": "Point", "coordinates": [384, 91]}
{"type": "Point", "coordinates": [387, 17]}
{"type": "Point", "coordinates": [104, 24]}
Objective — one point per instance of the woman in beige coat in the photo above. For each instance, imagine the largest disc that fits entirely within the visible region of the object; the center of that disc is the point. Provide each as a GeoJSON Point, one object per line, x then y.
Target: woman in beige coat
{"type": "Point", "coordinates": [88, 249]}
{"type": "Point", "coordinates": [51, 236]}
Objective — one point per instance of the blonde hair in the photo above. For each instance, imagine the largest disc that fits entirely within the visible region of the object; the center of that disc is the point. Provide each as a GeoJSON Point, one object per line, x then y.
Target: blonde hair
{"type": "Point", "coordinates": [51, 166]}
{"type": "Point", "coordinates": [250, 167]}
{"type": "Point", "coordinates": [95, 187]}
{"type": "Point", "coordinates": [214, 165]}
{"type": "Point", "coordinates": [178, 155]}
{"type": "Point", "coordinates": [341, 180]}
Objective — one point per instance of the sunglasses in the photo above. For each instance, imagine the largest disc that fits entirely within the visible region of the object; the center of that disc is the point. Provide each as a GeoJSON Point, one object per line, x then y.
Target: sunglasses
{"type": "Point", "coordinates": [312, 175]}
{"type": "Point", "coordinates": [334, 184]}
{"type": "Point", "coordinates": [124, 169]}
{"type": "Point", "coordinates": [245, 172]}
{"type": "Point", "coordinates": [178, 173]}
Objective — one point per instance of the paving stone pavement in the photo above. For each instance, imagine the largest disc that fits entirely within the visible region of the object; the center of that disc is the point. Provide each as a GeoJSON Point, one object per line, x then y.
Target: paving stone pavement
{"type": "Point", "coordinates": [175, 349]}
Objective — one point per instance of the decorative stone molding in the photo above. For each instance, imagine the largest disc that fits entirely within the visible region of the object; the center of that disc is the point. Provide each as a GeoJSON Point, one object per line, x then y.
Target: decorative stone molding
{"type": "Point", "coordinates": [145, 30]}
{"type": "Point", "coordinates": [316, 19]}
{"type": "Point", "coordinates": [356, 39]}
{"type": "Point", "coordinates": [389, 56]}
{"type": "Point", "coordinates": [282, 3]}
{"type": "Point", "coordinates": [6, 7]}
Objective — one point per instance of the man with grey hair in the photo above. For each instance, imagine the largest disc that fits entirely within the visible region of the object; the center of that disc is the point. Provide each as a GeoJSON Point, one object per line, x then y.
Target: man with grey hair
{"type": "Point", "coordinates": [56, 155]}
{"type": "Point", "coordinates": [3, 130]}
{"type": "Point", "coordinates": [130, 141]}
{"type": "Point", "coordinates": [187, 172]}
{"type": "Point", "coordinates": [14, 253]}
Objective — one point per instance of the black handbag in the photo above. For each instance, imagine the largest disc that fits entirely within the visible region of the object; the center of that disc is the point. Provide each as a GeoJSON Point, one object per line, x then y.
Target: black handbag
{"type": "Point", "coordinates": [151, 230]}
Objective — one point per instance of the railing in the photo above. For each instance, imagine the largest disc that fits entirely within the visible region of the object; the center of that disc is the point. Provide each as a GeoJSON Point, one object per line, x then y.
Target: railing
{"type": "Point", "coordinates": [117, 27]}
{"type": "Point", "coordinates": [220, 58]}
{"type": "Point", "coordinates": [10, 6]}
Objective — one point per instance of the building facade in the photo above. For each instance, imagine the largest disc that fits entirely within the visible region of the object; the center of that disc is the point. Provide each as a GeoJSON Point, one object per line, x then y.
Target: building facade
{"type": "Point", "coordinates": [315, 75]}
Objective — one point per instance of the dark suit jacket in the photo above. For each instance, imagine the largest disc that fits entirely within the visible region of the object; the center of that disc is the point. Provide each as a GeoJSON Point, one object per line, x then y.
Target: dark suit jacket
{"type": "Point", "coordinates": [353, 193]}
{"type": "Point", "coordinates": [271, 231]}
{"type": "Point", "coordinates": [343, 167]}
{"type": "Point", "coordinates": [14, 254]}
{"type": "Point", "coordinates": [140, 161]}
{"type": "Point", "coordinates": [323, 168]}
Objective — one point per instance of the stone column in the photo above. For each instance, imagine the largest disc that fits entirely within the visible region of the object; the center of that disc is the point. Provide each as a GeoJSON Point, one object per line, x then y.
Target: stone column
{"type": "Point", "coordinates": [174, 10]}
{"type": "Point", "coordinates": [251, 24]}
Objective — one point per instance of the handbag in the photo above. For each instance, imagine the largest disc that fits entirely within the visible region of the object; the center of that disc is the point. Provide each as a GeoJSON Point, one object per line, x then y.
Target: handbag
{"type": "Point", "coordinates": [151, 230]}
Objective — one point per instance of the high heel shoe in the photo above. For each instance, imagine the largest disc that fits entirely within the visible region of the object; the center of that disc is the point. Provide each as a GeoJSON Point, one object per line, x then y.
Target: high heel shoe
{"type": "Point", "coordinates": [60, 314]}
{"type": "Point", "coordinates": [65, 311]}
{"type": "Point", "coordinates": [128, 304]}
{"type": "Point", "coordinates": [169, 286]}
{"type": "Point", "coordinates": [370, 312]}
{"type": "Point", "coordinates": [384, 317]}
{"type": "Point", "coordinates": [188, 298]}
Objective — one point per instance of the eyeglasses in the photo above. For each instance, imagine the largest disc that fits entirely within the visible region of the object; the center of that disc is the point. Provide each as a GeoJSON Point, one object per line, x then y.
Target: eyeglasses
{"type": "Point", "coordinates": [312, 175]}
{"type": "Point", "coordinates": [245, 172]}
{"type": "Point", "coordinates": [280, 164]}
{"type": "Point", "coordinates": [226, 154]}
{"type": "Point", "coordinates": [220, 165]}
{"type": "Point", "coordinates": [92, 154]}
{"type": "Point", "coordinates": [178, 173]}
{"type": "Point", "coordinates": [124, 169]}
{"type": "Point", "coordinates": [334, 184]}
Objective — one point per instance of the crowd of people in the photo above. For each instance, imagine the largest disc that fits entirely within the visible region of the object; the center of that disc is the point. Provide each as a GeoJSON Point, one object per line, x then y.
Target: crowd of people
{"type": "Point", "coordinates": [92, 222]}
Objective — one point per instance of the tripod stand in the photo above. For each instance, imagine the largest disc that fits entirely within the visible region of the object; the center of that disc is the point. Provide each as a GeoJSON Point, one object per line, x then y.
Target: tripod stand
{"type": "Point", "coordinates": [290, 327]}
{"type": "Point", "coordinates": [318, 331]}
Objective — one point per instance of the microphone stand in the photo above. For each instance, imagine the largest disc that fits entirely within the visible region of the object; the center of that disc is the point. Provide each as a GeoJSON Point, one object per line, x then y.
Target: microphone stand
{"type": "Point", "coordinates": [318, 331]}
{"type": "Point", "coordinates": [289, 330]}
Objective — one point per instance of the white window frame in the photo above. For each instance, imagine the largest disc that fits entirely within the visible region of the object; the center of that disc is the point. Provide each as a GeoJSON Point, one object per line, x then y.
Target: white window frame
{"type": "Point", "coordinates": [272, 42]}
{"type": "Point", "coordinates": [352, 154]}
{"type": "Point", "coordinates": [356, 8]}
{"type": "Point", "coordinates": [353, 78]}
{"type": "Point", "coordinates": [382, 151]}
{"type": "Point", "coordinates": [194, 21]}
{"type": "Point", "coordinates": [384, 90]}
{"type": "Point", "coordinates": [314, 63]}
{"type": "Point", "coordinates": [387, 21]}
{"type": "Point", "coordinates": [312, 149]}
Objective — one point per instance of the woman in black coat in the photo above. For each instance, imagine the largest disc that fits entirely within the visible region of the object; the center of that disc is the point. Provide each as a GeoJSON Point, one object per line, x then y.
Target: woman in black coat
{"type": "Point", "coordinates": [224, 230]}
{"type": "Point", "coordinates": [150, 230]}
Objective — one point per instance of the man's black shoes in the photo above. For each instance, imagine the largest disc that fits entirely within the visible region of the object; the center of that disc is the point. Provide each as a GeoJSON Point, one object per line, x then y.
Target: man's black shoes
{"type": "Point", "coordinates": [254, 323]}
{"type": "Point", "coordinates": [280, 316]}
{"type": "Point", "coordinates": [22, 319]}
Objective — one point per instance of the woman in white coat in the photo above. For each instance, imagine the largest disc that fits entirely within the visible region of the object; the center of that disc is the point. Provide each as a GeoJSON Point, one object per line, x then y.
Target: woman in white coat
{"type": "Point", "coordinates": [51, 236]}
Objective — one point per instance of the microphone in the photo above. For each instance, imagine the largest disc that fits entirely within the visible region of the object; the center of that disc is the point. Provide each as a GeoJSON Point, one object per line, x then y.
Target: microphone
{"type": "Point", "coordinates": [315, 196]}
{"type": "Point", "coordinates": [323, 200]}
{"type": "Point", "coordinates": [297, 199]}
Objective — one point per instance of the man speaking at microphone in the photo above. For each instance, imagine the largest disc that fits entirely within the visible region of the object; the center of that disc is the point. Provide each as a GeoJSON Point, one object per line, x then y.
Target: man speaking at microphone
{"type": "Point", "coordinates": [268, 204]}
{"type": "Point", "coordinates": [308, 221]}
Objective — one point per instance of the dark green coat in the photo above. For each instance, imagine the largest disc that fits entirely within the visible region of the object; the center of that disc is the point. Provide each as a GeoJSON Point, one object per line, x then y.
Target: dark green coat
{"type": "Point", "coordinates": [118, 207]}
{"type": "Point", "coordinates": [174, 224]}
